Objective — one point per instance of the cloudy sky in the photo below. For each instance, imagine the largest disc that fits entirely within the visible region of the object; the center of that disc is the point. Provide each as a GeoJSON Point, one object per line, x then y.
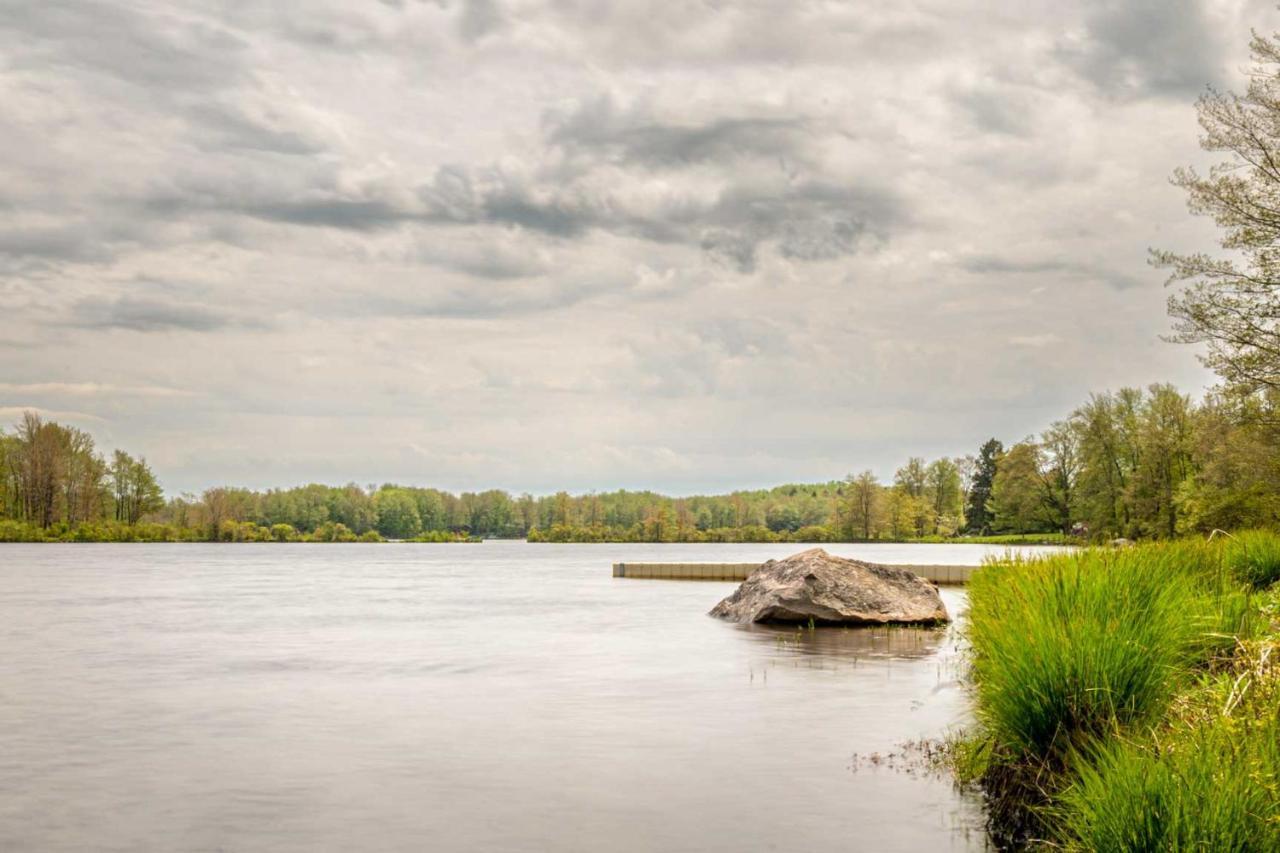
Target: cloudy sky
{"type": "Point", "coordinates": [542, 244]}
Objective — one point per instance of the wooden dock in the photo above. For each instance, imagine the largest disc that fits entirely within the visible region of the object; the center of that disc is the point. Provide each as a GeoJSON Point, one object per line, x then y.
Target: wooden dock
{"type": "Point", "coordinates": [739, 571]}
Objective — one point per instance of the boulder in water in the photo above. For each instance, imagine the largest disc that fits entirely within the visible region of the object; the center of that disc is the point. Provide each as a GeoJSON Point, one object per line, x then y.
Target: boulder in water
{"type": "Point", "coordinates": [814, 585]}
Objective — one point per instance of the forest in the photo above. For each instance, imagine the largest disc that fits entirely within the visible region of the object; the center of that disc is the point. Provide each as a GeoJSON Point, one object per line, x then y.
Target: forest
{"type": "Point", "coordinates": [1134, 463]}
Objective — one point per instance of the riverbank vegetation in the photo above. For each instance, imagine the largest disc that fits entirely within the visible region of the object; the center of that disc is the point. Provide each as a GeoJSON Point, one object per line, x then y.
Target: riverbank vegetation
{"type": "Point", "coordinates": [1129, 699]}
{"type": "Point", "coordinates": [1133, 463]}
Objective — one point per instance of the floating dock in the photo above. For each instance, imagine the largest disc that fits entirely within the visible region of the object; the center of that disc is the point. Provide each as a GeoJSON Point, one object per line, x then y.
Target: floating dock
{"type": "Point", "coordinates": [739, 571]}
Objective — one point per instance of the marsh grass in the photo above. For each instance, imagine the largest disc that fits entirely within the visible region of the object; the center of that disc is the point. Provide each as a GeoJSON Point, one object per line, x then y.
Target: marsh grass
{"type": "Point", "coordinates": [1078, 650]}
{"type": "Point", "coordinates": [1211, 791]}
{"type": "Point", "coordinates": [1253, 556]}
{"type": "Point", "coordinates": [1209, 780]}
{"type": "Point", "coordinates": [1080, 646]}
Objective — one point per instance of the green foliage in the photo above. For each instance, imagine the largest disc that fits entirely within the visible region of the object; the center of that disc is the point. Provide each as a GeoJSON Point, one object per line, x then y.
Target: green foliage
{"type": "Point", "coordinates": [1207, 779]}
{"type": "Point", "coordinates": [1216, 787]}
{"type": "Point", "coordinates": [1128, 698]}
{"type": "Point", "coordinates": [1080, 646]}
{"type": "Point", "coordinates": [440, 536]}
{"type": "Point", "coordinates": [333, 531]}
{"type": "Point", "coordinates": [397, 514]}
{"type": "Point", "coordinates": [134, 490]}
{"type": "Point", "coordinates": [19, 531]}
{"type": "Point", "coordinates": [977, 513]}
{"type": "Point", "coordinates": [1017, 502]}
{"type": "Point", "coordinates": [944, 489]}
{"type": "Point", "coordinates": [1253, 556]}
{"type": "Point", "coordinates": [1049, 538]}
{"type": "Point", "coordinates": [862, 507]}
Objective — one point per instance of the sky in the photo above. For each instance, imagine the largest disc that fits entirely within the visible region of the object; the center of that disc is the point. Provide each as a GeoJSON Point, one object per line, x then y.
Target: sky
{"type": "Point", "coordinates": [579, 244]}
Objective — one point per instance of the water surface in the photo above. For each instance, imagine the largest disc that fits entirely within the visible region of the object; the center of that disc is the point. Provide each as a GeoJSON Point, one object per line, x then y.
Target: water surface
{"type": "Point", "coordinates": [497, 697]}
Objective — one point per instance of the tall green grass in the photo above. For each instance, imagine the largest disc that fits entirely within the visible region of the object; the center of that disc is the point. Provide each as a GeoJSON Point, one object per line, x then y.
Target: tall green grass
{"type": "Point", "coordinates": [1081, 646]}
{"type": "Point", "coordinates": [1214, 790]}
{"type": "Point", "coordinates": [1253, 556]}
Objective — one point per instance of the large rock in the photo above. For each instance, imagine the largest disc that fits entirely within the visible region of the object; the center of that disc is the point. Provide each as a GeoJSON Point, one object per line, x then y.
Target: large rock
{"type": "Point", "coordinates": [832, 591]}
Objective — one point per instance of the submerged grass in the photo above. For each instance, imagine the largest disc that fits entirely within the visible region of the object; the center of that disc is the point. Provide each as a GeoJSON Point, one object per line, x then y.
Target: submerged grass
{"type": "Point", "coordinates": [1077, 660]}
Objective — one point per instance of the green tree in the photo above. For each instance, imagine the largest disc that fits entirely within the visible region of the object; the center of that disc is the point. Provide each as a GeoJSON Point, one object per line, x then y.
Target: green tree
{"type": "Point", "coordinates": [782, 517]}
{"type": "Point", "coordinates": [1017, 496]}
{"type": "Point", "coordinates": [397, 514]}
{"type": "Point", "coordinates": [862, 505]}
{"type": "Point", "coordinates": [1060, 454]}
{"type": "Point", "coordinates": [977, 512]}
{"type": "Point", "coordinates": [9, 507]}
{"type": "Point", "coordinates": [135, 491]}
{"type": "Point", "coordinates": [1235, 480]}
{"type": "Point", "coordinates": [1165, 462]}
{"type": "Point", "coordinates": [944, 490]}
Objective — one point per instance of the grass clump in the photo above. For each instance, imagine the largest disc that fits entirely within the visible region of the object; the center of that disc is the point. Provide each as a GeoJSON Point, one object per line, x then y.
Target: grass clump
{"type": "Point", "coordinates": [1076, 650]}
{"type": "Point", "coordinates": [1212, 789]}
{"type": "Point", "coordinates": [1253, 556]}
{"type": "Point", "coordinates": [1078, 646]}
{"type": "Point", "coordinates": [1209, 779]}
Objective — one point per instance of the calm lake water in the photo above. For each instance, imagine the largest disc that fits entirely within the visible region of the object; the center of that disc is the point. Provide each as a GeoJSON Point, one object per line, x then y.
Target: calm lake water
{"type": "Point", "coordinates": [494, 697]}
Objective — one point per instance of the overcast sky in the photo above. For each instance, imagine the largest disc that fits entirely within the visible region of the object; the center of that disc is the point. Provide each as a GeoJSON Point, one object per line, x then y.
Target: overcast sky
{"type": "Point", "coordinates": [587, 244]}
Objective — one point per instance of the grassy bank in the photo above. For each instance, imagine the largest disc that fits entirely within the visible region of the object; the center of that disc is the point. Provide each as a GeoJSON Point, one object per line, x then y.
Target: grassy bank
{"type": "Point", "coordinates": [1127, 699]}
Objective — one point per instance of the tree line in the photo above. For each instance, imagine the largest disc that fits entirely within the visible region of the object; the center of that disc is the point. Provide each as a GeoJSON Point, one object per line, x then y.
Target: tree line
{"type": "Point", "coordinates": [1134, 463]}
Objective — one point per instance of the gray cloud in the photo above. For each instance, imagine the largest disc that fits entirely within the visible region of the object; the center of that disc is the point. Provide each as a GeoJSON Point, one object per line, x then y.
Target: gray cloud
{"type": "Point", "coordinates": [808, 220]}
{"type": "Point", "coordinates": [156, 50]}
{"type": "Point", "coordinates": [479, 18]}
{"type": "Point", "coordinates": [137, 314]}
{"type": "Point", "coordinates": [1149, 46]}
{"type": "Point", "coordinates": [231, 127]}
{"type": "Point", "coordinates": [600, 128]}
{"type": "Point", "coordinates": [62, 242]}
{"type": "Point", "coordinates": [1048, 266]}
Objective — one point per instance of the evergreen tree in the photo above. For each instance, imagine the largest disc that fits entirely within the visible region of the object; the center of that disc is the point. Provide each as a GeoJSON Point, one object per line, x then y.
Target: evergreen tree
{"type": "Point", "coordinates": [977, 513]}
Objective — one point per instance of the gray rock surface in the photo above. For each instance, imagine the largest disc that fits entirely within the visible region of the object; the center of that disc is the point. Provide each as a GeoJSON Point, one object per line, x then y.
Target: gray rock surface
{"type": "Point", "coordinates": [832, 591]}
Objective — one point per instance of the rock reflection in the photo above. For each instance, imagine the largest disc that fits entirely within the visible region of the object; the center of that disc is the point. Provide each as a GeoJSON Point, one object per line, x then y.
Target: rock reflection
{"type": "Point", "coordinates": [894, 642]}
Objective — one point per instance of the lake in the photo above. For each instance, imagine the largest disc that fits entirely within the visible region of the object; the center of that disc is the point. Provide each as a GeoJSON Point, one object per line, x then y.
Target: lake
{"type": "Point", "coordinates": [499, 697]}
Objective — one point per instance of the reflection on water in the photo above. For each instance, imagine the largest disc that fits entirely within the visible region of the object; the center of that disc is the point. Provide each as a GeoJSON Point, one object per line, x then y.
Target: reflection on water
{"type": "Point", "coordinates": [496, 697]}
{"type": "Point", "coordinates": [852, 643]}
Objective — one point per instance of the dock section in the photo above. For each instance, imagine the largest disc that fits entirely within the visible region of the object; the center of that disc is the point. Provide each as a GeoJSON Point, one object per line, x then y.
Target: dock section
{"type": "Point", "coordinates": [739, 571]}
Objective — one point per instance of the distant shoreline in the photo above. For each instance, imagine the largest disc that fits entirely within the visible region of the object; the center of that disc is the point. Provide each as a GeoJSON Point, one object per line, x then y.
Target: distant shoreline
{"type": "Point", "coordinates": [1017, 539]}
